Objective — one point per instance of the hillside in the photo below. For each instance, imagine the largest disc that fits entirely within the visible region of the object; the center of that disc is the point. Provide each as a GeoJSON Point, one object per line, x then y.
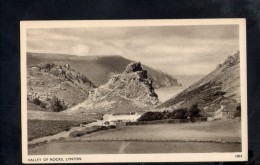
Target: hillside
{"type": "Point", "coordinates": [99, 69]}
{"type": "Point", "coordinates": [217, 92]}
{"type": "Point", "coordinates": [44, 81]}
{"type": "Point", "coordinates": [127, 92]}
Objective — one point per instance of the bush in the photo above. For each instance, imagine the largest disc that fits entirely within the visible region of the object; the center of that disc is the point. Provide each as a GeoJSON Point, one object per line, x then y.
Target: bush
{"type": "Point", "coordinates": [68, 128]}
{"type": "Point", "coordinates": [43, 105]}
{"type": "Point", "coordinates": [148, 116]}
{"type": "Point", "coordinates": [111, 127]}
{"type": "Point", "coordinates": [180, 114]}
{"type": "Point", "coordinates": [37, 101]}
{"type": "Point", "coordinates": [238, 111]}
{"type": "Point", "coordinates": [56, 105]}
{"type": "Point", "coordinates": [194, 111]}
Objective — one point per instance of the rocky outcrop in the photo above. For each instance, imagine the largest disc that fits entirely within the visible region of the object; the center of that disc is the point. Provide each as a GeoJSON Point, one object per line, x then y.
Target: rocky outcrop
{"type": "Point", "coordinates": [44, 81]}
{"type": "Point", "coordinates": [130, 91]}
{"type": "Point", "coordinates": [133, 67]}
{"type": "Point", "coordinates": [219, 91]}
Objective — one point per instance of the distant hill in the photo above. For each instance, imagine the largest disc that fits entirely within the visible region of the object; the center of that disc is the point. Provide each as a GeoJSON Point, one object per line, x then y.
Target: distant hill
{"type": "Point", "coordinates": [46, 80]}
{"type": "Point", "coordinates": [218, 91]}
{"type": "Point", "coordinates": [129, 91]}
{"type": "Point", "coordinates": [99, 69]}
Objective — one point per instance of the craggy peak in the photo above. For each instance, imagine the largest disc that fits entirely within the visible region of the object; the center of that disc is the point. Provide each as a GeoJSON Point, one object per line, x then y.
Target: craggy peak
{"type": "Point", "coordinates": [130, 91]}
{"type": "Point", "coordinates": [133, 67]}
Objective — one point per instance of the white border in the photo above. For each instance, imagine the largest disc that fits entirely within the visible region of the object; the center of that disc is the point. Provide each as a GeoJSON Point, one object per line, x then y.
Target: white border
{"type": "Point", "coordinates": [174, 157]}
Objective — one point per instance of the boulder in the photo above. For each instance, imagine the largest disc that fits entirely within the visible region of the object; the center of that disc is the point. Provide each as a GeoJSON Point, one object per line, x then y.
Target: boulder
{"type": "Point", "coordinates": [133, 67]}
{"type": "Point", "coordinates": [142, 74]}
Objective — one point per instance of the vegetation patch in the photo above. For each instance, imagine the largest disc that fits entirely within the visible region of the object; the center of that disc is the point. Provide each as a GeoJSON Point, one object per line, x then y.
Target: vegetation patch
{"type": "Point", "coordinates": [238, 111]}
{"type": "Point", "coordinates": [168, 121]}
{"type": "Point", "coordinates": [223, 131]}
{"type": "Point", "coordinates": [85, 131]}
{"type": "Point", "coordinates": [184, 113]}
{"type": "Point", "coordinates": [40, 128]}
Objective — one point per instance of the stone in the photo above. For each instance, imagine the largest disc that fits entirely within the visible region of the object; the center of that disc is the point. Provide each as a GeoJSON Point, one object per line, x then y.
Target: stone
{"type": "Point", "coordinates": [133, 67]}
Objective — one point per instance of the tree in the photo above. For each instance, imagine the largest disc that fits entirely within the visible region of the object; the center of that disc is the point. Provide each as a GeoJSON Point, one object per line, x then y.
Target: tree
{"type": "Point", "coordinates": [180, 114]}
{"type": "Point", "coordinates": [194, 111]}
{"type": "Point", "coordinates": [43, 105]}
{"type": "Point", "coordinates": [238, 111]}
{"type": "Point", "coordinates": [37, 101]}
{"type": "Point", "coordinates": [149, 116]}
{"type": "Point", "coordinates": [56, 105]}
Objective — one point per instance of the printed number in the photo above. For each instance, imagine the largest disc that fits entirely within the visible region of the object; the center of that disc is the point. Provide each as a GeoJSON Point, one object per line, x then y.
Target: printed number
{"type": "Point", "coordinates": [238, 156]}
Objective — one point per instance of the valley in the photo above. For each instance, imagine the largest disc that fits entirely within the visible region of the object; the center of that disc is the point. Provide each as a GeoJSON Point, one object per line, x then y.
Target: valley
{"type": "Point", "coordinates": [167, 93]}
{"type": "Point", "coordinates": [97, 113]}
{"type": "Point", "coordinates": [215, 136]}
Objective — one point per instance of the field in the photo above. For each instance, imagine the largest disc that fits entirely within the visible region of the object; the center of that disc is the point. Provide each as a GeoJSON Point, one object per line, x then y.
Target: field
{"type": "Point", "coordinates": [34, 107]}
{"type": "Point", "coordinates": [214, 131]}
{"type": "Point", "coordinates": [122, 147]}
{"type": "Point", "coordinates": [40, 128]}
{"type": "Point", "coordinates": [40, 115]}
{"type": "Point", "coordinates": [48, 123]}
{"type": "Point", "coordinates": [201, 137]}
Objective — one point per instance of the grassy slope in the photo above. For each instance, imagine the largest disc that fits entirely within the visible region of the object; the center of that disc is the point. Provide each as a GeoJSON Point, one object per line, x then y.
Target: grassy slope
{"type": "Point", "coordinates": [131, 147]}
{"type": "Point", "coordinates": [40, 128]}
{"type": "Point", "coordinates": [34, 107]}
{"type": "Point", "coordinates": [40, 115]}
{"type": "Point", "coordinates": [220, 87]}
{"type": "Point", "coordinates": [48, 123]}
{"type": "Point", "coordinates": [45, 84]}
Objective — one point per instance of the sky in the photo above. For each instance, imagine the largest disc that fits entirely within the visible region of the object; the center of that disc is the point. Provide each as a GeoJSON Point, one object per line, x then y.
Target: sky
{"type": "Point", "coordinates": [177, 50]}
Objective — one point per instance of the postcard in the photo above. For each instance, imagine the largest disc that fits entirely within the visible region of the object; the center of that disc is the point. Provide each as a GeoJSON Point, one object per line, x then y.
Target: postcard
{"type": "Point", "coordinates": [160, 90]}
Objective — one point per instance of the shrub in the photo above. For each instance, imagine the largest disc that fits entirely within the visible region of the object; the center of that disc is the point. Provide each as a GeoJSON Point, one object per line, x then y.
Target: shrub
{"type": "Point", "coordinates": [68, 128]}
{"type": "Point", "coordinates": [180, 114]}
{"type": "Point", "coordinates": [238, 111]}
{"type": "Point", "coordinates": [111, 127]}
{"type": "Point", "coordinates": [148, 116]}
{"type": "Point", "coordinates": [43, 105]}
{"type": "Point", "coordinates": [37, 101]}
{"type": "Point", "coordinates": [56, 105]}
{"type": "Point", "coordinates": [194, 111]}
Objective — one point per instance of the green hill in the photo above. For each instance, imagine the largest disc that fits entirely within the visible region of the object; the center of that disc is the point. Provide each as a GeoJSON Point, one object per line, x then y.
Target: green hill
{"type": "Point", "coordinates": [215, 93]}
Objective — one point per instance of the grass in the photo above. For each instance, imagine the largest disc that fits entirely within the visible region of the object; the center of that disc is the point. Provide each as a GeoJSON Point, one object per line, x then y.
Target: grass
{"type": "Point", "coordinates": [200, 137]}
{"type": "Point", "coordinates": [89, 130]}
{"type": "Point", "coordinates": [49, 123]}
{"type": "Point", "coordinates": [34, 107]}
{"type": "Point", "coordinates": [40, 128]}
{"type": "Point", "coordinates": [225, 131]}
{"type": "Point", "coordinates": [40, 115]}
{"type": "Point", "coordinates": [131, 147]}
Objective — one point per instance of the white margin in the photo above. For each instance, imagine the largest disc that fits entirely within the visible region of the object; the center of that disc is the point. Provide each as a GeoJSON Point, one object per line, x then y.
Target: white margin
{"type": "Point", "coordinates": [174, 157]}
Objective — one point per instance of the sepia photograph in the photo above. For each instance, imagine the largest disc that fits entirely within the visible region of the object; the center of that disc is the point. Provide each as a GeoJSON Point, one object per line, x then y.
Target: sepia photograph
{"type": "Point", "coordinates": [133, 91]}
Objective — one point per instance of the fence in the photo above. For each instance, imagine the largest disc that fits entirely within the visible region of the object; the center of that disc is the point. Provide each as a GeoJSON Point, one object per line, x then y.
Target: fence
{"type": "Point", "coordinates": [214, 140]}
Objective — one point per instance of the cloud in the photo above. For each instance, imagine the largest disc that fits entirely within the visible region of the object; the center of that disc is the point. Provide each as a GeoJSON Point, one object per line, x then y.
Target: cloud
{"type": "Point", "coordinates": [172, 49]}
{"type": "Point", "coordinates": [80, 49]}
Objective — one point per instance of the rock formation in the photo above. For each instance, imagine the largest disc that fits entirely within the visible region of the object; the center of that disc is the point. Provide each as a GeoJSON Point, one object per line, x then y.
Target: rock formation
{"type": "Point", "coordinates": [44, 81]}
{"type": "Point", "coordinates": [130, 91]}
